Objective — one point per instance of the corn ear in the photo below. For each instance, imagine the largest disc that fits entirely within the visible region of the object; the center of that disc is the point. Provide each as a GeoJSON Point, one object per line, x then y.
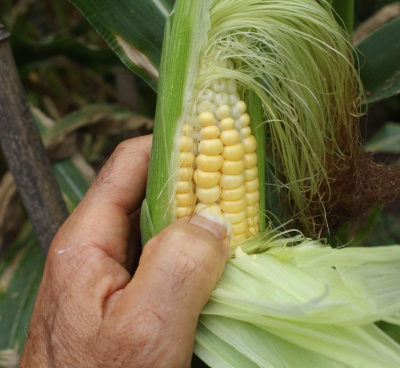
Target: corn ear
{"type": "Point", "coordinates": [284, 300]}
{"type": "Point", "coordinates": [181, 79]}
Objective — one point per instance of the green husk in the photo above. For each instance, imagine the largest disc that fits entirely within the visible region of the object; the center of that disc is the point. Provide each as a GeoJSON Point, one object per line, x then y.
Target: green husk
{"type": "Point", "coordinates": [184, 36]}
{"type": "Point", "coordinates": [297, 300]}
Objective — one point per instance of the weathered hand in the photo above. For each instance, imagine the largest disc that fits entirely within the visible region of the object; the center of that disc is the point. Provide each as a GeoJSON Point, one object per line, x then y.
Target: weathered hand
{"type": "Point", "coordinates": [89, 312]}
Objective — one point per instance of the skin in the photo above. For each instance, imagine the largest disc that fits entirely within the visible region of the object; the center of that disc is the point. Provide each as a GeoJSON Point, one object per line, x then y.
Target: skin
{"type": "Point", "coordinates": [90, 312]}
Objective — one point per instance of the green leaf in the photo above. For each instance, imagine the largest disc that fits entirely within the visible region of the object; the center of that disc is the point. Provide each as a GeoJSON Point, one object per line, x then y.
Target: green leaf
{"type": "Point", "coordinates": [134, 29]}
{"type": "Point", "coordinates": [380, 62]}
{"type": "Point", "coordinates": [385, 230]}
{"type": "Point", "coordinates": [20, 275]}
{"type": "Point", "coordinates": [392, 330]}
{"type": "Point", "coordinates": [344, 13]}
{"type": "Point", "coordinates": [27, 52]}
{"type": "Point", "coordinates": [89, 115]}
{"type": "Point", "coordinates": [387, 139]}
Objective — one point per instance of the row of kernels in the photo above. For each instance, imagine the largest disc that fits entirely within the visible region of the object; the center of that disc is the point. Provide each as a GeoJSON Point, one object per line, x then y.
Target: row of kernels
{"type": "Point", "coordinates": [207, 176]}
{"type": "Point", "coordinates": [185, 187]}
{"type": "Point", "coordinates": [252, 185]}
{"type": "Point", "coordinates": [226, 176]}
{"type": "Point", "coordinates": [232, 202]}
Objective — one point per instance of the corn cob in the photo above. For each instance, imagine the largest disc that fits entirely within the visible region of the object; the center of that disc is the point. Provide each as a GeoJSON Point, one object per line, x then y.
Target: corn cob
{"type": "Point", "coordinates": [218, 172]}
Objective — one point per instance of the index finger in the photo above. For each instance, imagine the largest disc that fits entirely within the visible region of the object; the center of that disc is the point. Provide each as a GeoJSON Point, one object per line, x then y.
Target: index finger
{"type": "Point", "coordinates": [102, 218]}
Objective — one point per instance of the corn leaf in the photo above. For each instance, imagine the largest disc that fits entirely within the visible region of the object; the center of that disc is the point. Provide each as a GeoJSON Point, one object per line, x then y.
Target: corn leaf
{"type": "Point", "coordinates": [379, 57]}
{"type": "Point", "coordinates": [27, 52]}
{"type": "Point", "coordinates": [133, 29]}
{"type": "Point", "coordinates": [92, 114]}
{"type": "Point", "coordinates": [387, 139]}
{"type": "Point", "coordinates": [20, 275]}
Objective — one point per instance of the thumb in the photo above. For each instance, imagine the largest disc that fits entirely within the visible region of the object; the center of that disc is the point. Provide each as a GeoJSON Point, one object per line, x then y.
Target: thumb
{"type": "Point", "coordinates": [177, 272]}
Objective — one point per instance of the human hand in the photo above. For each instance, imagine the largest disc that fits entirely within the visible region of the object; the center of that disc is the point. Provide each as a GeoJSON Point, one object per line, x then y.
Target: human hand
{"type": "Point", "coordinates": [89, 312]}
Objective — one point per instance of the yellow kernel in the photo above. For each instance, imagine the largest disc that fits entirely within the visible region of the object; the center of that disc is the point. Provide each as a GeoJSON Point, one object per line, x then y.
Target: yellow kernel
{"type": "Point", "coordinates": [209, 132]}
{"type": "Point", "coordinates": [187, 129]}
{"type": "Point", "coordinates": [241, 107]}
{"type": "Point", "coordinates": [233, 194]}
{"type": "Point", "coordinates": [253, 221]}
{"type": "Point", "coordinates": [249, 144]}
{"type": "Point", "coordinates": [206, 179]}
{"type": "Point", "coordinates": [214, 208]}
{"type": "Point", "coordinates": [234, 152]}
{"type": "Point", "coordinates": [184, 199]}
{"type": "Point", "coordinates": [195, 149]}
{"type": "Point", "coordinates": [186, 143]}
{"type": "Point", "coordinates": [223, 111]}
{"type": "Point", "coordinates": [183, 186]}
{"type": "Point", "coordinates": [244, 120]}
{"type": "Point", "coordinates": [233, 167]}
{"type": "Point", "coordinates": [244, 132]}
{"type": "Point", "coordinates": [186, 159]}
{"type": "Point", "coordinates": [185, 173]}
{"type": "Point", "coordinates": [251, 231]}
{"type": "Point", "coordinates": [229, 137]}
{"type": "Point", "coordinates": [253, 210]}
{"type": "Point", "coordinates": [214, 211]}
{"type": "Point", "coordinates": [240, 238]}
{"type": "Point", "coordinates": [239, 228]}
{"type": "Point", "coordinates": [231, 181]}
{"type": "Point", "coordinates": [206, 119]}
{"type": "Point", "coordinates": [205, 106]}
{"type": "Point", "coordinates": [211, 147]}
{"type": "Point", "coordinates": [236, 218]}
{"type": "Point", "coordinates": [183, 211]}
{"type": "Point", "coordinates": [227, 124]}
{"type": "Point", "coordinates": [208, 195]}
{"type": "Point", "coordinates": [252, 197]}
{"type": "Point", "coordinates": [250, 174]}
{"type": "Point", "coordinates": [252, 185]}
{"type": "Point", "coordinates": [250, 160]}
{"type": "Point", "coordinates": [232, 206]}
{"type": "Point", "coordinates": [209, 163]}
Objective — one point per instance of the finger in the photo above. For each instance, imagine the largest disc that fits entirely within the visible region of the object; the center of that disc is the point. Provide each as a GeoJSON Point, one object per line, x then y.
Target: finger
{"type": "Point", "coordinates": [102, 218]}
{"type": "Point", "coordinates": [176, 274]}
{"type": "Point", "coordinates": [122, 180]}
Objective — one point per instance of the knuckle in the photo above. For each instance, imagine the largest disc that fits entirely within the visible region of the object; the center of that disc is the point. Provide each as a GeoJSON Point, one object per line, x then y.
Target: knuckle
{"type": "Point", "coordinates": [189, 251]}
{"type": "Point", "coordinates": [123, 146]}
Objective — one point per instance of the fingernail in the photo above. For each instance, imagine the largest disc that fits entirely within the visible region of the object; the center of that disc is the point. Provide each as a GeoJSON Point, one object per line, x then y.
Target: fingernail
{"type": "Point", "coordinates": [213, 225]}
